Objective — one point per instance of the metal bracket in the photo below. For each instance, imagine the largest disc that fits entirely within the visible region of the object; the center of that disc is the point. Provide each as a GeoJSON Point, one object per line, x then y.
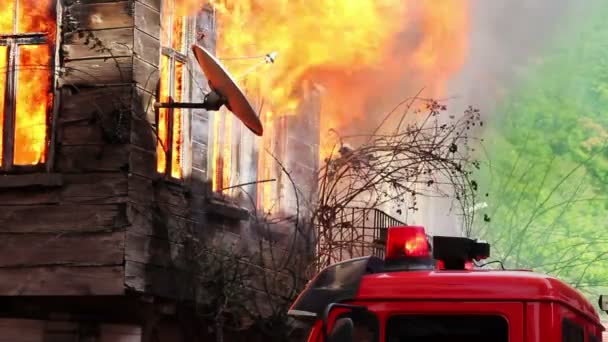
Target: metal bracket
{"type": "Point", "coordinates": [213, 101]}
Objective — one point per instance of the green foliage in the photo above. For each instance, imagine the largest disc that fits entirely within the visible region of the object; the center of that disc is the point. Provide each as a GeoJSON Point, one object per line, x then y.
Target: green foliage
{"type": "Point", "coordinates": [548, 171]}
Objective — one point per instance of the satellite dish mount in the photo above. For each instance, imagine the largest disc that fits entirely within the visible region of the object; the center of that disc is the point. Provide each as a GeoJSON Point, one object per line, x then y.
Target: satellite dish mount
{"type": "Point", "coordinates": [224, 92]}
{"type": "Point", "coordinates": [213, 102]}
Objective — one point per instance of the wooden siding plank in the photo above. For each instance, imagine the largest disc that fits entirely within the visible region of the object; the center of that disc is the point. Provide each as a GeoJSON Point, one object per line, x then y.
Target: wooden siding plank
{"type": "Point", "coordinates": [61, 249]}
{"type": "Point", "coordinates": [98, 43]}
{"type": "Point", "coordinates": [145, 75]}
{"type": "Point", "coordinates": [95, 188]}
{"type": "Point", "coordinates": [147, 221]}
{"type": "Point", "coordinates": [62, 218]}
{"type": "Point", "coordinates": [62, 281]}
{"type": "Point", "coordinates": [91, 158]}
{"type": "Point", "coordinates": [21, 330]}
{"type": "Point", "coordinates": [89, 188]}
{"type": "Point", "coordinates": [146, 47]}
{"type": "Point", "coordinates": [154, 4]}
{"type": "Point", "coordinates": [87, 103]}
{"type": "Point", "coordinates": [155, 251]}
{"type": "Point", "coordinates": [143, 135]}
{"type": "Point", "coordinates": [81, 134]}
{"type": "Point", "coordinates": [120, 333]}
{"type": "Point", "coordinates": [29, 196]}
{"type": "Point", "coordinates": [95, 16]}
{"type": "Point", "coordinates": [143, 163]}
{"type": "Point", "coordinates": [147, 20]}
{"type": "Point", "coordinates": [159, 281]}
{"type": "Point", "coordinates": [98, 71]}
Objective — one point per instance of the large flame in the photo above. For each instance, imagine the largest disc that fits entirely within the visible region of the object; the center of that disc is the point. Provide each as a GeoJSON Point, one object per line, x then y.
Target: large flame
{"type": "Point", "coordinates": [367, 54]}
{"type": "Point", "coordinates": [33, 71]}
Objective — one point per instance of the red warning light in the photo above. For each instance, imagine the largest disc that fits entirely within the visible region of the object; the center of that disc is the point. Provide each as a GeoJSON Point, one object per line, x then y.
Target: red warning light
{"type": "Point", "coordinates": [408, 241]}
{"type": "Point", "coordinates": [468, 265]}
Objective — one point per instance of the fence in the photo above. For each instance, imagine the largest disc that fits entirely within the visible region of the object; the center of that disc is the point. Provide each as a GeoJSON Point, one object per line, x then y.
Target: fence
{"type": "Point", "coordinates": [353, 232]}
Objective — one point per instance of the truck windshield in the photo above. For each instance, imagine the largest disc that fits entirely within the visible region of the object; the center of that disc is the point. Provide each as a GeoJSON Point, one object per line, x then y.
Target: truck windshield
{"type": "Point", "coordinates": [447, 328]}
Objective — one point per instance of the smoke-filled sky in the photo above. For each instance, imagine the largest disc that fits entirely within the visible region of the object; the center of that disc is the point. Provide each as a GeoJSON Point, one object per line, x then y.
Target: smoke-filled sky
{"type": "Point", "coordinates": [505, 37]}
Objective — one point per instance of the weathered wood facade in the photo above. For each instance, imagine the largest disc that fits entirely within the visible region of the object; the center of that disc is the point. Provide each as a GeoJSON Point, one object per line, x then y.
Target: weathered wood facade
{"type": "Point", "coordinates": [100, 236]}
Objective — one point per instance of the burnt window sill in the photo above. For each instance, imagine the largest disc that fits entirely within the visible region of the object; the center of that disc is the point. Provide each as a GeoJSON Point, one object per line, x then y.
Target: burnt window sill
{"type": "Point", "coordinates": [219, 205]}
{"type": "Point", "coordinates": [29, 180]}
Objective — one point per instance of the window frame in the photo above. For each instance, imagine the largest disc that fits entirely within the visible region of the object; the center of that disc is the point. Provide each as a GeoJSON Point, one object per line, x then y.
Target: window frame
{"type": "Point", "coordinates": [174, 57]}
{"type": "Point", "coordinates": [575, 328]}
{"type": "Point", "coordinates": [442, 315]}
{"type": "Point", "coordinates": [13, 42]}
{"type": "Point", "coordinates": [592, 338]}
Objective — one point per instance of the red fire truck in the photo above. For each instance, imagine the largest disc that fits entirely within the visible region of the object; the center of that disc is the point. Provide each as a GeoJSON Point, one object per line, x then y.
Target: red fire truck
{"type": "Point", "coordinates": [430, 290]}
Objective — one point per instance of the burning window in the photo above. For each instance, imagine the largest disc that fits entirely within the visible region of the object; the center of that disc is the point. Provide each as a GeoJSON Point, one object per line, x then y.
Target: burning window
{"type": "Point", "coordinates": [27, 37]}
{"type": "Point", "coordinates": [171, 89]}
{"type": "Point", "coordinates": [225, 129]}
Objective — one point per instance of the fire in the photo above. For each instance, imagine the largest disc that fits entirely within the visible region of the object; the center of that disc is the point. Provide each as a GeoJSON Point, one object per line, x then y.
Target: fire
{"type": "Point", "coordinates": [176, 152]}
{"type": "Point", "coordinates": [169, 128]}
{"type": "Point", "coordinates": [36, 16]}
{"type": "Point", "coordinates": [3, 61]}
{"type": "Point", "coordinates": [163, 117]}
{"type": "Point", "coordinates": [367, 54]}
{"type": "Point", "coordinates": [33, 100]}
{"type": "Point", "coordinates": [7, 13]}
{"type": "Point", "coordinates": [222, 151]}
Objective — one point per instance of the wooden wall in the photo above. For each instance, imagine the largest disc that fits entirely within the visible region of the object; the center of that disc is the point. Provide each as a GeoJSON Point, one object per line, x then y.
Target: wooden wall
{"type": "Point", "coordinates": [103, 221]}
{"type": "Point", "coordinates": [63, 232]}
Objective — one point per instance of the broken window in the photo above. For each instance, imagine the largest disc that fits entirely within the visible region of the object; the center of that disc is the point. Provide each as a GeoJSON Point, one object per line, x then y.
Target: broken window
{"type": "Point", "coordinates": [27, 43]}
{"type": "Point", "coordinates": [171, 89]}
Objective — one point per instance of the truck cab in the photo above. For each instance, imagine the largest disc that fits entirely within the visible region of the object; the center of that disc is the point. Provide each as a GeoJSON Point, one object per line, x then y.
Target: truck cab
{"type": "Point", "coordinates": [413, 296]}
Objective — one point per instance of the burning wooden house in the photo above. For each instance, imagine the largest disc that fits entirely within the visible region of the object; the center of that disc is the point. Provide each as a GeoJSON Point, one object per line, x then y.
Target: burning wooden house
{"type": "Point", "coordinates": [105, 201]}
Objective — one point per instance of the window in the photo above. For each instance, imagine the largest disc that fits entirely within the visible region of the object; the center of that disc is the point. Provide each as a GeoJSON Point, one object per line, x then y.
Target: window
{"type": "Point", "coordinates": [227, 135]}
{"type": "Point", "coordinates": [171, 89]}
{"type": "Point", "coordinates": [27, 37]}
{"type": "Point", "coordinates": [593, 338]}
{"type": "Point", "coordinates": [572, 332]}
{"type": "Point", "coordinates": [444, 328]}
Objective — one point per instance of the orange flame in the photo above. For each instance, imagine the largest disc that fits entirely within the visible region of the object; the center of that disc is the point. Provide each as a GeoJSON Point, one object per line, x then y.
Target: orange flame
{"type": "Point", "coordinates": [367, 54]}
{"type": "Point", "coordinates": [34, 97]}
{"type": "Point", "coordinates": [171, 89]}
{"type": "Point", "coordinates": [36, 16]}
{"type": "Point", "coordinates": [34, 100]}
{"type": "Point", "coordinates": [3, 61]}
{"type": "Point", "coordinates": [7, 14]}
{"type": "Point", "coordinates": [222, 151]}
{"type": "Point", "coordinates": [176, 152]}
{"type": "Point", "coordinates": [163, 117]}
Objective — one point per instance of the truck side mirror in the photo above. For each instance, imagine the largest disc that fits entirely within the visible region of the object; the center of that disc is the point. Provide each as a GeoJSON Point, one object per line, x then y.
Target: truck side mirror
{"type": "Point", "coordinates": [342, 331]}
{"type": "Point", "coordinates": [604, 303]}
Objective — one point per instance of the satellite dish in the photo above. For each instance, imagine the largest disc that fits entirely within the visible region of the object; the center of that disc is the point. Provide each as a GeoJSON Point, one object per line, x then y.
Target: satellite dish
{"type": "Point", "coordinates": [224, 92]}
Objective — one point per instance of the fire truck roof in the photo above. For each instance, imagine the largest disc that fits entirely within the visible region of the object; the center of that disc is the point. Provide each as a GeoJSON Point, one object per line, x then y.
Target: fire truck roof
{"type": "Point", "coordinates": [367, 279]}
{"type": "Point", "coordinates": [472, 285]}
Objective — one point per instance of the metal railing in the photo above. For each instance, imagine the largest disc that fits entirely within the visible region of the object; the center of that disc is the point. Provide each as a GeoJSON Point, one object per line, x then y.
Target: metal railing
{"type": "Point", "coordinates": [353, 232]}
